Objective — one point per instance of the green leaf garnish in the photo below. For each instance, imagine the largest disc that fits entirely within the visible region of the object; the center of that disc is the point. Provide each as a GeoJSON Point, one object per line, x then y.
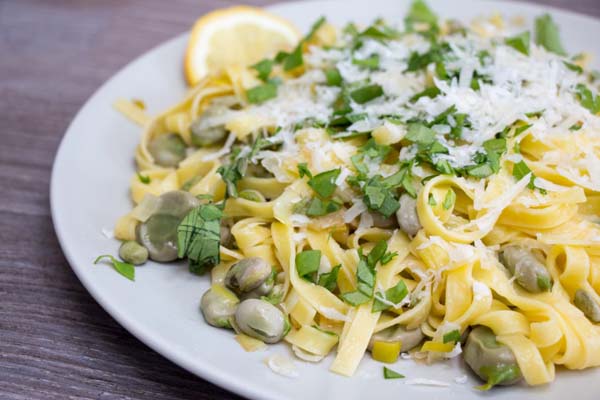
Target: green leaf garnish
{"type": "Point", "coordinates": [324, 183]}
{"type": "Point", "coordinates": [261, 93]}
{"type": "Point", "coordinates": [452, 336]}
{"type": "Point", "coordinates": [431, 200]}
{"type": "Point", "coordinates": [430, 92]}
{"type": "Point", "coordinates": [199, 237]}
{"type": "Point", "coordinates": [371, 62]}
{"type": "Point", "coordinates": [420, 134]}
{"type": "Point", "coordinates": [520, 169]}
{"type": "Point", "coordinates": [573, 67]}
{"type": "Point", "coordinates": [419, 12]}
{"type": "Point", "coordinates": [547, 35]}
{"type": "Point", "coordinates": [144, 179]}
{"type": "Point", "coordinates": [366, 93]}
{"type": "Point", "coordinates": [393, 295]}
{"type": "Point", "coordinates": [521, 42]}
{"type": "Point", "coordinates": [329, 280]}
{"type": "Point", "coordinates": [123, 268]}
{"type": "Point", "coordinates": [449, 199]}
{"type": "Point", "coordinates": [303, 170]}
{"type": "Point", "coordinates": [264, 69]}
{"type": "Point", "coordinates": [587, 98]}
{"type": "Point", "coordinates": [379, 197]}
{"type": "Point", "coordinates": [333, 77]}
{"type": "Point", "coordinates": [497, 374]}
{"type": "Point", "coordinates": [294, 59]}
{"type": "Point", "coordinates": [391, 374]}
{"type": "Point", "coordinates": [307, 262]}
{"type": "Point", "coordinates": [317, 207]}
{"type": "Point", "coordinates": [365, 276]}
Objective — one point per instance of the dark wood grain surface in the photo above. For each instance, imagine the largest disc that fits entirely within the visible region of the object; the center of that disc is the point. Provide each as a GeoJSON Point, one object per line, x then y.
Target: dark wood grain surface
{"type": "Point", "coordinates": [55, 341]}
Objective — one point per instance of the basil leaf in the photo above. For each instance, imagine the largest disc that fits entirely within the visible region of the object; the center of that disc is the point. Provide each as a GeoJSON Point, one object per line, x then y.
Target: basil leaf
{"type": "Point", "coordinates": [420, 134]}
{"type": "Point", "coordinates": [431, 200]}
{"type": "Point", "coordinates": [376, 253]}
{"type": "Point", "coordinates": [573, 67]}
{"type": "Point", "coordinates": [480, 171]}
{"type": "Point", "coordinates": [520, 170]}
{"type": "Point", "coordinates": [430, 92]}
{"type": "Point", "coordinates": [452, 336]}
{"type": "Point", "coordinates": [393, 295]}
{"type": "Point", "coordinates": [307, 262]}
{"type": "Point", "coordinates": [371, 62]}
{"type": "Point", "coordinates": [317, 207]}
{"type": "Point", "coordinates": [324, 183]}
{"type": "Point", "coordinates": [123, 268]}
{"type": "Point", "coordinates": [355, 298]}
{"type": "Point", "coordinates": [303, 170]}
{"type": "Point", "coordinates": [391, 374]}
{"type": "Point", "coordinates": [333, 77]}
{"type": "Point", "coordinates": [264, 69]}
{"type": "Point", "coordinates": [262, 93]}
{"type": "Point", "coordinates": [144, 179]}
{"type": "Point", "coordinates": [366, 93]}
{"type": "Point", "coordinates": [329, 279]}
{"type": "Point", "coordinates": [497, 374]}
{"type": "Point", "coordinates": [378, 197]}
{"type": "Point", "coordinates": [199, 237]}
{"type": "Point", "coordinates": [294, 59]}
{"type": "Point", "coordinates": [587, 98]}
{"type": "Point", "coordinates": [387, 257]}
{"type": "Point", "coordinates": [521, 42]}
{"type": "Point", "coordinates": [547, 35]}
{"type": "Point", "coordinates": [419, 12]}
{"type": "Point", "coordinates": [449, 199]}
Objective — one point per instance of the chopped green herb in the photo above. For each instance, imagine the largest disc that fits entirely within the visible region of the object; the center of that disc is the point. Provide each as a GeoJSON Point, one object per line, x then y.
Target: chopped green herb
{"type": "Point", "coordinates": [199, 237]}
{"type": "Point", "coordinates": [145, 179]}
{"type": "Point", "coordinates": [317, 207]}
{"type": "Point", "coordinates": [294, 59]}
{"type": "Point", "coordinates": [393, 295]}
{"type": "Point", "coordinates": [420, 134]}
{"type": "Point", "coordinates": [329, 279]}
{"type": "Point", "coordinates": [573, 67]}
{"type": "Point", "coordinates": [480, 171]}
{"type": "Point", "coordinates": [497, 374]}
{"type": "Point", "coordinates": [387, 257]}
{"type": "Point", "coordinates": [307, 262]}
{"type": "Point", "coordinates": [303, 170]}
{"type": "Point", "coordinates": [262, 93]}
{"type": "Point", "coordinates": [431, 201]}
{"type": "Point", "coordinates": [324, 183]}
{"type": "Point", "coordinates": [391, 374]}
{"type": "Point", "coordinates": [264, 69]}
{"type": "Point", "coordinates": [378, 197]}
{"type": "Point", "coordinates": [333, 77]}
{"type": "Point", "coordinates": [123, 268]}
{"type": "Point", "coordinates": [547, 35]}
{"type": "Point", "coordinates": [520, 170]}
{"type": "Point", "coordinates": [588, 99]}
{"type": "Point", "coordinates": [452, 336]}
{"type": "Point", "coordinates": [522, 129]}
{"type": "Point", "coordinates": [365, 276]}
{"type": "Point", "coordinates": [521, 42]}
{"type": "Point", "coordinates": [355, 298]}
{"type": "Point", "coordinates": [371, 62]}
{"type": "Point", "coordinates": [315, 27]}
{"type": "Point", "coordinates": [366, 93]}
{"type": "Point", "coordinates": [449, 199]}
{"type": "Point", "coordinates": [430, 92]}
{"type": "Point", "coordinates": [419, 12]}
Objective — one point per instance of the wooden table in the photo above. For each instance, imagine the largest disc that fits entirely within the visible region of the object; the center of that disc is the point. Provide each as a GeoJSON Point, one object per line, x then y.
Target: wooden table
{"type": "Point", "coordinates": [55, 341]}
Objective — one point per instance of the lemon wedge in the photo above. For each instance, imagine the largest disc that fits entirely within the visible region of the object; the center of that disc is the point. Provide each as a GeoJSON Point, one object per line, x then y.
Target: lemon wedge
{"type": "Point", "coordinates": [236, 36]}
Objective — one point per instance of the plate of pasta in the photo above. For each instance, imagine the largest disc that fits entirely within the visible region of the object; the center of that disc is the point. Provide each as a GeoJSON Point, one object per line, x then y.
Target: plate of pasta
{"type": "Point", "coordinates": [340, 200]}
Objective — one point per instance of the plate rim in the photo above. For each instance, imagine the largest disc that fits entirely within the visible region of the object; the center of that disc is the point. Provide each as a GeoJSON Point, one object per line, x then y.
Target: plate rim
{"type": "Point", "coordinates": [147, 337]}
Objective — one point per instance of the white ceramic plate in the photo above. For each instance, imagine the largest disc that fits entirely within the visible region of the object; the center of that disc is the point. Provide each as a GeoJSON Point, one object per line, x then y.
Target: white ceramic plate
{"type": "Point", "coordinates": [89, 192]}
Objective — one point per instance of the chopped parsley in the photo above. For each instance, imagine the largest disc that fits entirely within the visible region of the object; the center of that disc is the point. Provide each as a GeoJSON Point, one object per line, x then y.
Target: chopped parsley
{"type": "Point", "coordinates": [547, 35]}
{"type": "Point", "coordinates": [324, 183]}
{"type": "Point", "coordinates": [391, 374]}
{"type": "Point", "coordinates": [393, 295]}
{"type": "Point", "coordinates": [307, 263]}
{"type": "Point", "coordinates": [365, 276]}
{"type": "Point", "coordinates": [497, 374]}
{"type": "Point", "coordinates": [588, 99]}
{"type": "Point", "coordinates": [264, 69]}
{"type": "Point", "coordinates": [145, 179]}
{"type": "Point", "coordinates": [329, 279]}
{"type": "Point", "coordinates": [452, 336]}
{"type": "Point", "coordinates": [366, 93]}
{"type": "Point", "coordinates": [521, 42]}
{"type": "Point", "coordinates": [449, 199]}
{"type": "Point", "coordinates": [261, 93]}
{"type": "Point", "coordinates": [123, 268]}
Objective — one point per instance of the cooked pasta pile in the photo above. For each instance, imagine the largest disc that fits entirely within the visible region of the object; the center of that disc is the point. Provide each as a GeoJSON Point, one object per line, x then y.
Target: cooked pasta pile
{"type": "Point", "coordinates": [396, 175]}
